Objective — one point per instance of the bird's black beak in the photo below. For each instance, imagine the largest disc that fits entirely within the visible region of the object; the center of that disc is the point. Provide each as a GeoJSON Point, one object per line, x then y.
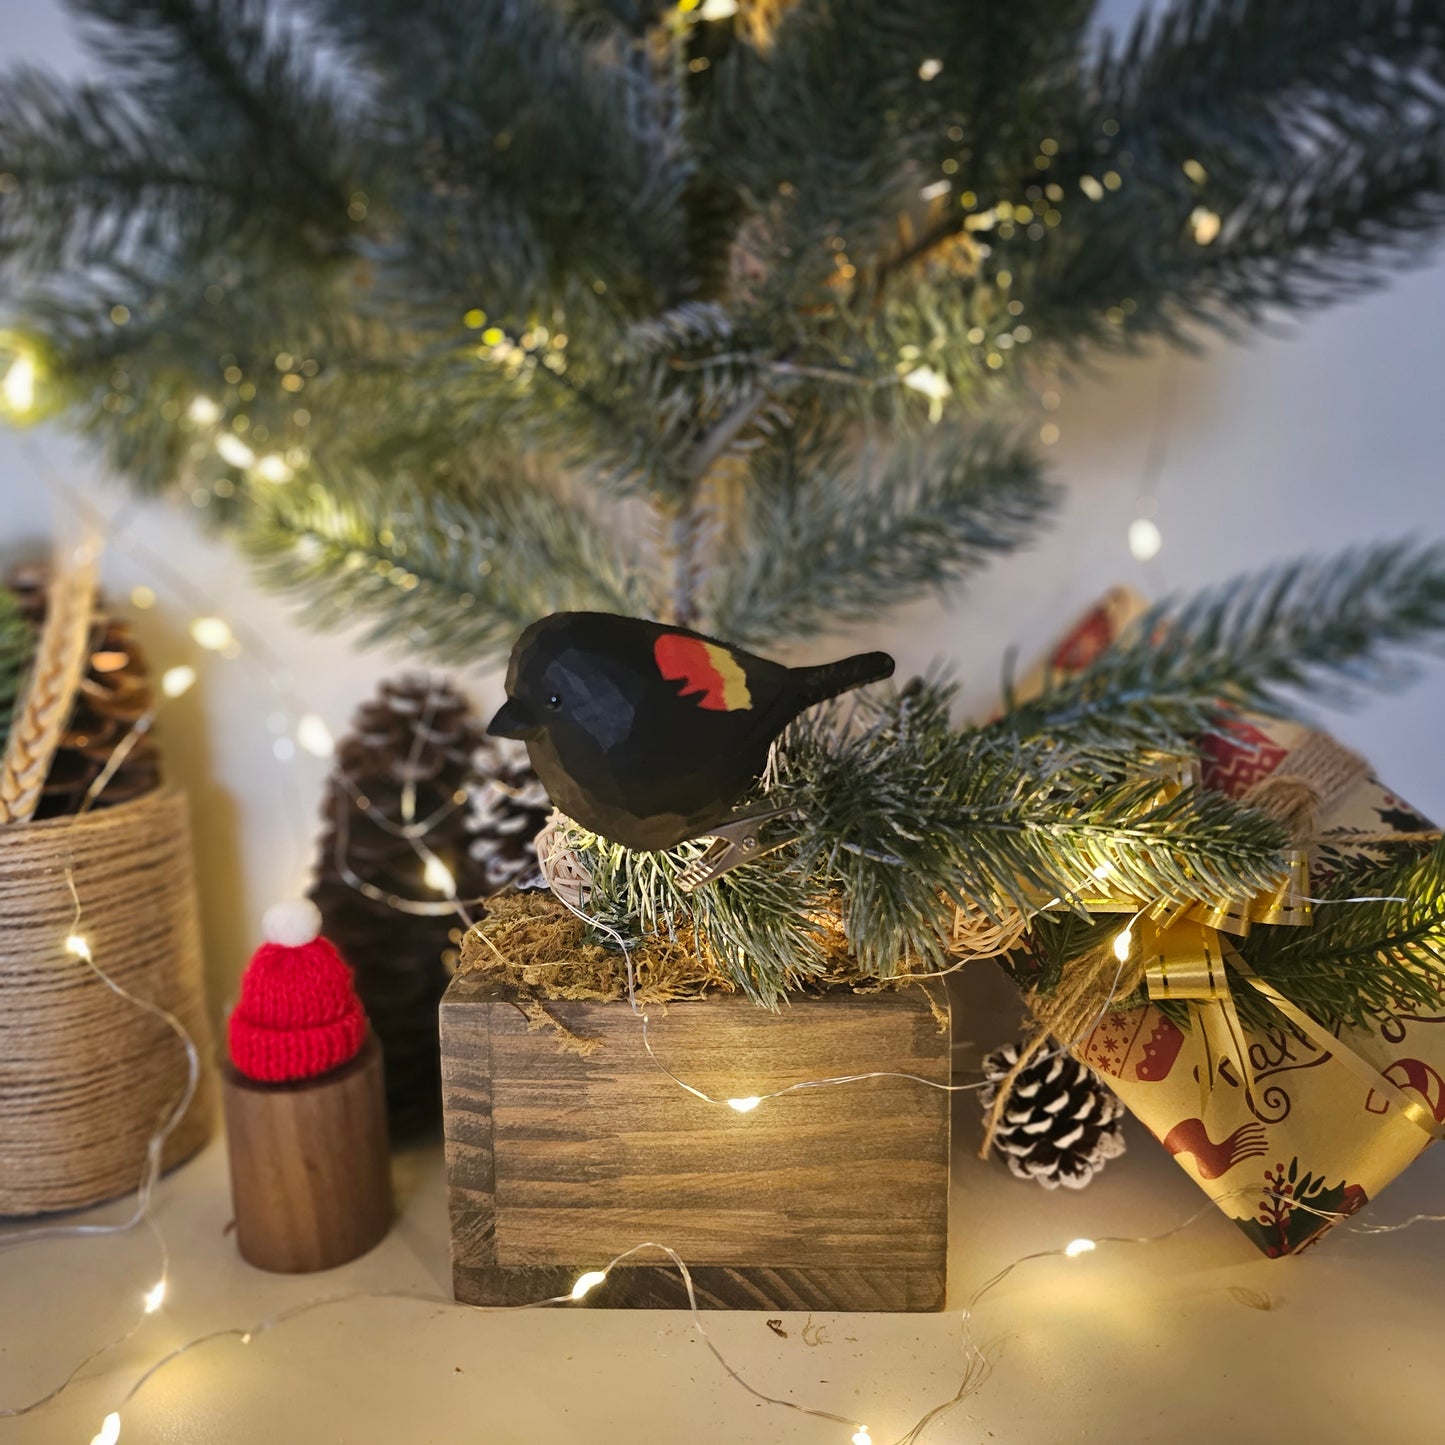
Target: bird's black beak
{"type": "Point", "coordinates": [513, 721]}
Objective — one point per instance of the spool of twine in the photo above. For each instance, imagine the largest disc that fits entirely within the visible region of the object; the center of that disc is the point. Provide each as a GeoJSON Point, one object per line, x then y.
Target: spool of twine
{"type": "Point", "coordinates": [86, 1077]}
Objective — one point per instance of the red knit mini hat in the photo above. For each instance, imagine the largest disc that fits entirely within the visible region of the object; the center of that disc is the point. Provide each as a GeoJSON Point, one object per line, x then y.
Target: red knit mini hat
{"type": "Point", "coordinates": [298, 1015]}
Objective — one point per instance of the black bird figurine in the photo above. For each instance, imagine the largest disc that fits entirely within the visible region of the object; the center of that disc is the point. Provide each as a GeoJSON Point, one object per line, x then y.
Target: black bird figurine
{"type": "Point", "coordinates": [648, 734]}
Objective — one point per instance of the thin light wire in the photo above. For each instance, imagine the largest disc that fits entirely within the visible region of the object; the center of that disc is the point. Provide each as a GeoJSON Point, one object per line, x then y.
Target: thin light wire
{"type": "Point", "coordinates": [978, 1366]}
{"type": "Point", "coordinates": [291, 1312]}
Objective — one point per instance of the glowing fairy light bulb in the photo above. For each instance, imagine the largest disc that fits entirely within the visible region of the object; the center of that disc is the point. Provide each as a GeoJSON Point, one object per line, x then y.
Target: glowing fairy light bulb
{"type": "Point", "coordinates": [315, 738]}
{"type": "Point", "coordinates": [234, 452]}
{"type": "Point", "coordinates": [745, 1105]}
{"type": "Point", "coordinates": [587, 1282]}
{"type": "Point", "coordinates": [1123, 944]}
{"type": "Point", "coordinates": [274, 468]}
{"type": "Point", "coordinates": [155, 1296]}
{"type": "Point", "coordinates": [78, 946]}
{"type": "Point", "coordinates": [927, 71]}
{"type": "Point", "coordinates": [109, 1431]}
{"type": "Point", "coordinates": [212, 633]}
{"type": "Point", "coordinates": [1145, 539]}
{"type": "Point", "coordinates": [861, 1436]}
{"type": "Point", "coordinates": [1205, 225]}
{"type": "Point", "coordinates": [932, 384]}
{"type": "Point", "coordinates": [1075, 1247]}
{"type": "Point", "coordinates": [439, 877]}
{"type": "Point", "coordinates": [18, 387]}
{"type": "Point", "coordinates": [717, 9]}
{"type": "Point", "coordinates": [203, 411]}
{"type": "Point", "coordinates": [178, 681]}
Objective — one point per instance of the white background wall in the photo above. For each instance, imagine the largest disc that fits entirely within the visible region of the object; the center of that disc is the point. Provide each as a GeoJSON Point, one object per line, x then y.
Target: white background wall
{"type": "Point", "coordinates": [1328, 434]}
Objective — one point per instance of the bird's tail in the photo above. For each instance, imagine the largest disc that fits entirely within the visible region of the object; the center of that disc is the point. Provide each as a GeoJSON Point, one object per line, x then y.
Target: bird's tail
{"type": "Point", "coordinates": [818, 684]}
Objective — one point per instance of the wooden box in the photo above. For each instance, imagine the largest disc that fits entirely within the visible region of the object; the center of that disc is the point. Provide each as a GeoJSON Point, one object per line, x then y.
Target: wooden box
{"type": "Point", "coordinates": [824, 1199]}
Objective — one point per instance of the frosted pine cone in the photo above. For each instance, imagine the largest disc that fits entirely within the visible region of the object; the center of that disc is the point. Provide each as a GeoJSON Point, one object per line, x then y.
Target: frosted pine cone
{"type": "Point", "coordinates": [508, 808]}
{"type": "Point", "coordinates": [1061, 1124]}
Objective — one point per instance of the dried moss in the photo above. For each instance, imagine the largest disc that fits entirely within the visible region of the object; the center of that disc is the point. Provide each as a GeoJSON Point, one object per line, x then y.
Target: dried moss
{"type": "Point", "coordinates": [537, 947]}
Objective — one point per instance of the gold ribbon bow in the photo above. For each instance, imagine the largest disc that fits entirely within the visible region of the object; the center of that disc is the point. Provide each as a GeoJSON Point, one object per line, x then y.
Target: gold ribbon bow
{"type": "Point", "coordinates": [1188, 955]}
{"type": "Point", "coordinates": [1187, 952]}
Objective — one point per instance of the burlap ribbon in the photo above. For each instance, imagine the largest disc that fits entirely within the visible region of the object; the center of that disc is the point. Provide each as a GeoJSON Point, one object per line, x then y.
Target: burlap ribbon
{"type": "Point", "coordinates": [1185, 953]}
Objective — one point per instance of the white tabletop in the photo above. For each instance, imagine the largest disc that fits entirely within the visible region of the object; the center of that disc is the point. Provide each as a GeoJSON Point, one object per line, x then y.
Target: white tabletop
{"type": "Point", "coordinates": [1194, 1339]}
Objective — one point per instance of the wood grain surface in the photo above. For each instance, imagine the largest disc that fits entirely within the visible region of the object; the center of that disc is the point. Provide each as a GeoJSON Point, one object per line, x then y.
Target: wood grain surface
{"type": "Point", "coordinates": [310, 1168]}
{"type": "Point", "coordinates": [832, 1198]}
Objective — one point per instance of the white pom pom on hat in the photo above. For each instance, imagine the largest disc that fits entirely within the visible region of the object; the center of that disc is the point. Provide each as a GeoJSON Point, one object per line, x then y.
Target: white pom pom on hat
{"type": "Point", "coordinates": [292, 923]}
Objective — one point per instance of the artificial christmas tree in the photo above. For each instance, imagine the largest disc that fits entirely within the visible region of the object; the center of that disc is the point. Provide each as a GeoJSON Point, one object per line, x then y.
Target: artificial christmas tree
{"type": "Point", "coordinates": [447, 356]}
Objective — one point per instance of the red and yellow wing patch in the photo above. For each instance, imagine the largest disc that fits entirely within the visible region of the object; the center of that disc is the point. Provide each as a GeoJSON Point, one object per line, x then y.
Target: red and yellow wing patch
{"type": "Point", "coordinates": [710, 674]}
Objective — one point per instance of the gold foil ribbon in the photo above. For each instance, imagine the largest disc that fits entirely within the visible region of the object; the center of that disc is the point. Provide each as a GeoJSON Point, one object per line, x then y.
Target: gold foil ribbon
{"type": "Point", "coordinates": [1185, 962]}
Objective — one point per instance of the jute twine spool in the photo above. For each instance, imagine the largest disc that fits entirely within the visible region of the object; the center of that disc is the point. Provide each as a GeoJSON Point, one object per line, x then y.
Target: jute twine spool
{"type": "Point", "coordinates": [86, 1077]}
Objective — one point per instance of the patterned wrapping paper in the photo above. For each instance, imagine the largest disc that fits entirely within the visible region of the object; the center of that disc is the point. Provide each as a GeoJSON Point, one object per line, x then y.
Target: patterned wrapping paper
{"type": "Point", "coordinates": [1312, 1138]}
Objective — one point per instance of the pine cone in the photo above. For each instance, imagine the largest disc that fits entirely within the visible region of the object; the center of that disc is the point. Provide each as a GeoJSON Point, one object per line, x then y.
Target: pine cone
{"type": "Point", "coordinates": [415, 741]}
{"type": "Point", "coordinates": [1061, 1124]}
{"type": "Point", "coordinates": [509, 808]}
{"type": "Point", "coordinates": [114, 694]}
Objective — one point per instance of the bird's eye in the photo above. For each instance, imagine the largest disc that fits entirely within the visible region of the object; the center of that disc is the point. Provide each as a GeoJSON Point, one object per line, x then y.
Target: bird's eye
{"type": "Point", "coordinates": [554, 701]}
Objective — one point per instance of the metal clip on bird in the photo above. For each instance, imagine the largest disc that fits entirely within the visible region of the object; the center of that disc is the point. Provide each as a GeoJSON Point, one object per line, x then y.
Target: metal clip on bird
{"type": "Point", "coordinates": [737, 840]}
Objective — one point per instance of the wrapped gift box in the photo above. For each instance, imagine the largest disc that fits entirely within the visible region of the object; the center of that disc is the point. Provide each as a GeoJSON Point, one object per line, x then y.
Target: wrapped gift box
{"type": "Point", "coordinates": [1312, 1141]}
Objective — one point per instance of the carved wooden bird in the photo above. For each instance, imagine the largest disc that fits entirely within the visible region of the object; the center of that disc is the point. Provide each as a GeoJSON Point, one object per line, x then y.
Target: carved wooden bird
{"type": "Point", "coordinates": [648, 734]}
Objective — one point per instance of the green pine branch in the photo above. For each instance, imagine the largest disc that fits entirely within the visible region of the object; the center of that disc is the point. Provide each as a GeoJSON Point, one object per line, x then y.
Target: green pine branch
{"type": "Point", "coordinates": [907, 817]}
{"type": "Point", "coordinates": [825, 545]}
{"type": "Point", "coordinates": [456, 576]}
{"type": "Point", "coordinates": [545, 152]}
{"type": "Point", "coordinates": [754, 922]}
{"type": "Point", "coordinates": [1357, 960]}
{"type": "Point", "coordinates": [1336, 627]}
{"type": "Point", "coordinates": [1229, 159]}
{"type": "Point", "coordinates": [215, 133]}
{"type": "Point", "coordinates": [900, 817]}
